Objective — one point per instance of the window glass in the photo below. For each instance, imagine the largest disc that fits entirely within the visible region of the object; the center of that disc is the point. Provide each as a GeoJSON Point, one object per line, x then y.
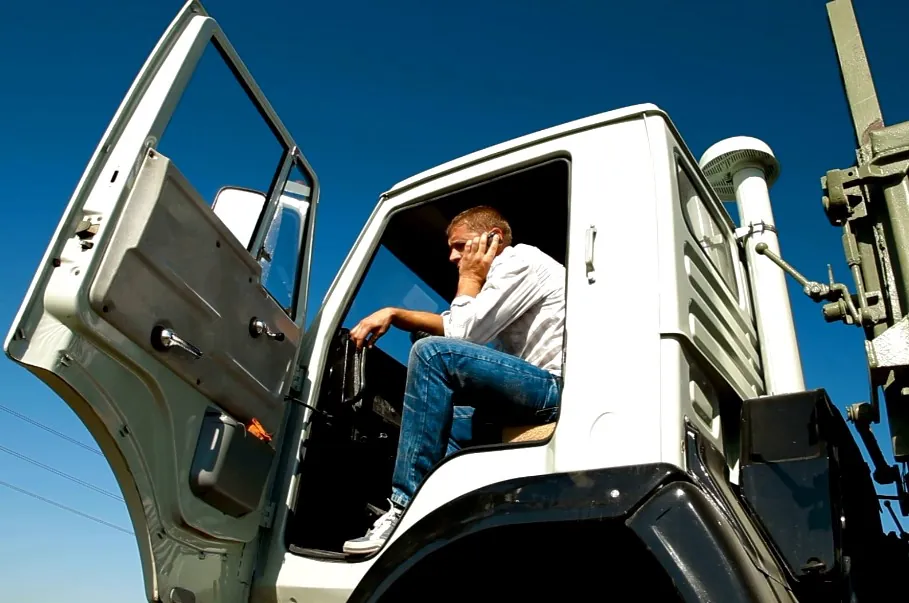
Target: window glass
{"type": "Point", "coordinates": [283, 247]}
{"type": "Point", "coordinates": [718, 248]}
{"type": "Point", "coordinates": [389, 283]}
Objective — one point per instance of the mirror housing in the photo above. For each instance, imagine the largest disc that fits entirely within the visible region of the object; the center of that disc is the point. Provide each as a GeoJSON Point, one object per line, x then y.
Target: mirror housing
{"type": "Point", "coordinates": [239, 209]}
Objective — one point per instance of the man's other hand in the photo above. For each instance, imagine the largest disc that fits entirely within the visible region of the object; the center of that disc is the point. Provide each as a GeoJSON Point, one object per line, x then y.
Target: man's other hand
{"type": "Point", "coordinates": [477, 258]}
{"type": "Point", "coordinates": [371, 328]}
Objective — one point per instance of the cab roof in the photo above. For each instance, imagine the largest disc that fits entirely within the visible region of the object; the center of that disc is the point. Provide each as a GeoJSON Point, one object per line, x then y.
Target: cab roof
{"type": "Point", "coordinates": [593, 121]}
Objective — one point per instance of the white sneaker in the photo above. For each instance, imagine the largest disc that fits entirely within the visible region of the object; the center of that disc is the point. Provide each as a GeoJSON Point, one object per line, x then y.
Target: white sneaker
{"type": "Point", "coordinates": [376, 535]}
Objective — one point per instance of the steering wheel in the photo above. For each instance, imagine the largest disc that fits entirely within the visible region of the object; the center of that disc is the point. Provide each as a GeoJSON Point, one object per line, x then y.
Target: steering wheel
{"type": "Point", "coordinates": [357, 370]}
{"type": "Point", "coordinates": [351, 364]}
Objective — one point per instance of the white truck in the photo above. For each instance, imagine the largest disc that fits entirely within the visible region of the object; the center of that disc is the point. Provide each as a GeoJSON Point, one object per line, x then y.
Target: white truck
{"type": "Point", "coordinates": [250, 443]}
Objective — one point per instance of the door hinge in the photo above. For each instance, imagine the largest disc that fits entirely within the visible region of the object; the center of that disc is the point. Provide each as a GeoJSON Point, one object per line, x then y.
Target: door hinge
{"type": "Point", "coordinates": [268, 515]}
{"type": "Point", "coordinates": [296, 385]}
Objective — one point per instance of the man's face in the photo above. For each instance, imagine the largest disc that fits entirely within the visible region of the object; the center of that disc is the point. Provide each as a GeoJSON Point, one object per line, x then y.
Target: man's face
{"type": "Point", "coordinates": [462, 233]}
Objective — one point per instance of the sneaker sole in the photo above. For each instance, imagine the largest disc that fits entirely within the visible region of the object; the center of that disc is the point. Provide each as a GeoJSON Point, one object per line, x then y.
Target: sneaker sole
{"type": "Point", "coordinates": [363, 549]}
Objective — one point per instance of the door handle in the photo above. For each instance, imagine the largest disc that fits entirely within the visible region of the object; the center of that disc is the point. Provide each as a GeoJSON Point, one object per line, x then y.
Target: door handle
{"type": "Point", "coordinates": [257, 327]}
{"type": "Point", "coordinates": [590, 239]}
{"type": "Point", "coordinates": [164, 338]}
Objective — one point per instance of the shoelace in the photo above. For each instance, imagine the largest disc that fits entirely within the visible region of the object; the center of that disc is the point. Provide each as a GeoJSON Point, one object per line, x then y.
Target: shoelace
{"type": "Point", "coordinates": [386, 519]}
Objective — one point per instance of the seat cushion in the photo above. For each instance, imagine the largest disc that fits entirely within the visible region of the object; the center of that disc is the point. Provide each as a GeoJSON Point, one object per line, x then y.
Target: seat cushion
{"type": "Point", "coordinates": [527, 433]}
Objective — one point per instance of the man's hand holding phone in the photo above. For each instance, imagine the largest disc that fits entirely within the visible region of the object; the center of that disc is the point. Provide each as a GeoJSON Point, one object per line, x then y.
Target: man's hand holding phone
{"type": "Point", "coordinates": [475, 263]}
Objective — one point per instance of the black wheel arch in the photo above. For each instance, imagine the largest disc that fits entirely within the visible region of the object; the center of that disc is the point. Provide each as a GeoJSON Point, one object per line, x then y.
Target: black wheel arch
{"type": "Point", "coordinates": [606, 521]}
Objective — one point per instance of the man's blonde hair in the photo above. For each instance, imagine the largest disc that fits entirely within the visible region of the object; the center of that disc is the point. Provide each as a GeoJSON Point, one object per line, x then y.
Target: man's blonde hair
{"type": "Point", "coordinates": [482, 219]}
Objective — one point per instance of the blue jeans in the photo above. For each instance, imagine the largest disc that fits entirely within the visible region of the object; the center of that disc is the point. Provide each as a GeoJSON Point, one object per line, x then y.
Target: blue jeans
{"type": "Point", "coordinates": [456, 389]}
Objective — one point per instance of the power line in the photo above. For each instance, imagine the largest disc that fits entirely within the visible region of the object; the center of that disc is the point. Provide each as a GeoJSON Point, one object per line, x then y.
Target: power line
{"type": "Point", "coordinates": [64, 507]}
{"type": "Point", "coordinates": [50, 430]}
{"type": "Point", "coordinates": [62, 474]}
{"type": "Point", "coordinates": [71, 478]}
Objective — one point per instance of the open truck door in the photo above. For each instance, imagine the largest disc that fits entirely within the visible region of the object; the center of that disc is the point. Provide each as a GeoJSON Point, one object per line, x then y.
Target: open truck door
{"type": "Point", "coordinates": [152, 317]}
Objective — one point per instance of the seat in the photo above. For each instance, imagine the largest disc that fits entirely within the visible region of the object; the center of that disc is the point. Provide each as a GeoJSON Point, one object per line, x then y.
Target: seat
{"type": "Point", "coordinates": [513, 434]}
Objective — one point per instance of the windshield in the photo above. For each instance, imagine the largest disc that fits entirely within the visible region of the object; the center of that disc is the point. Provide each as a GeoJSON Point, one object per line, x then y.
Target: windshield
{"type": "Point", "coordinates": [390, 283]}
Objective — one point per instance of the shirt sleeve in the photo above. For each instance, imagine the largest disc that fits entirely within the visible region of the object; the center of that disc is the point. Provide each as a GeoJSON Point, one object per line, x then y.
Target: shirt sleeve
{"type": "Point", "coordinates": [509, 291]}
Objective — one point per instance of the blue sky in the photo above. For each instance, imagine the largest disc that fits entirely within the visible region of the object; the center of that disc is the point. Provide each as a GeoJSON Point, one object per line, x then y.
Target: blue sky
{"type": "Point", "coordinates": [374, 95]}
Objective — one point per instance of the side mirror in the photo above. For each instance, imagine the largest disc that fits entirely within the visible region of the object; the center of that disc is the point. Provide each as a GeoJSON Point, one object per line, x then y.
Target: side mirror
{"type": "Point", "coordinates": [239, 210]}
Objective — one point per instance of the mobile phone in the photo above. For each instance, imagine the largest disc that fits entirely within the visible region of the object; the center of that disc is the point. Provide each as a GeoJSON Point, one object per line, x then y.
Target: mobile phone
{"type": "Point", "coordinates": [489, 237]}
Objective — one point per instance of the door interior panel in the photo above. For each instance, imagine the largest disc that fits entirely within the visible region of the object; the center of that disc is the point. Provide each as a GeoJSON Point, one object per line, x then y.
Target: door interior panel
{"type": "Point", "coordinates": [150, 320]}
{"type": "Point", "coordinates": [172, 264]}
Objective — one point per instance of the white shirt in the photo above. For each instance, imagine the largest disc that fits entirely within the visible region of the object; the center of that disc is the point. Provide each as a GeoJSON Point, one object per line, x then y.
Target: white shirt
{"type": "Point", "coordinates": [522, 304]}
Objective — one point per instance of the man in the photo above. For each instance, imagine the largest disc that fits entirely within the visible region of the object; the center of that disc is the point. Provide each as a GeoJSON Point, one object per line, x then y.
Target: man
{"type": "Point", "coordinates": [514, 295]}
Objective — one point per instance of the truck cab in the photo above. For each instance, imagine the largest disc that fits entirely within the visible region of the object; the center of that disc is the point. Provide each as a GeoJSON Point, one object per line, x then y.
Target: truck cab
{"type": "Point", "coordinates": [250, 441]}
